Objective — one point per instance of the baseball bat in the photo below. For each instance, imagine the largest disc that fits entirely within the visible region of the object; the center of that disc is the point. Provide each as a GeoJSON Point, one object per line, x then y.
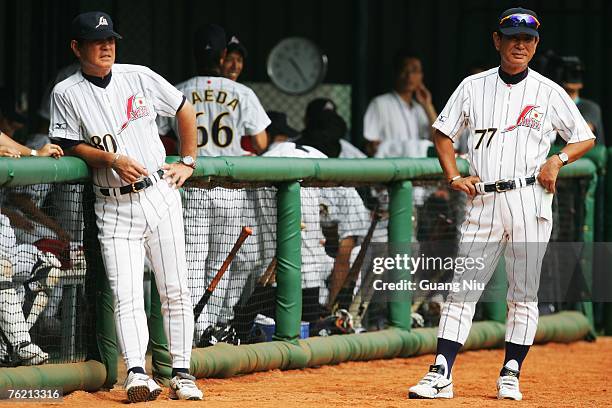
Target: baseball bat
{"type": "Point", "coordinates": [268, 276]}
{"type": "Point", "coordinates": [351, 277]}
{"type": "Point", "coordinates": [197, 310]}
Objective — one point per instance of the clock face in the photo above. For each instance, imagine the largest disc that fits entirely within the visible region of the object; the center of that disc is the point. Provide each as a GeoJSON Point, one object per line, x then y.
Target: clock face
{"type": "Point", "coordinates": [296, 65]}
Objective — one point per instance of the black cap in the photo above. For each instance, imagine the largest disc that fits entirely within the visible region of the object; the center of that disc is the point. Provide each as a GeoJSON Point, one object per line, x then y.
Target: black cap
{"type": "Point", "coordinates": [234, 45]}
{"type": "Point", "coordinates": [324, 132]}
{"type": "Point", "coordinates": [509, 26]}
{"type": "Point", "coordinates": [210, 37]}
{"type": "Point", "coordinates": [8, 106]}
{"type": "Point", "coordinates": [318, 105]}
{"type": "Point", "coordinates": [93, 25]}
{"type": "Point", "coordinates": [279, 125]}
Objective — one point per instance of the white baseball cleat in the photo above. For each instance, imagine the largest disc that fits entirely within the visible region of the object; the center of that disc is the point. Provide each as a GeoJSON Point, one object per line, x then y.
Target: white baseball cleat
{"type": "Point", "coordinates": [154, 389]}
{"type": "Point", "coordinates": [31, 354]}
{"type": "Point", "coordinates": [137, 387]}
{"type": "Point", "coordinates": [508, 385]}
{"type": "Point", "coordinates": [183, 387]}
{"type": "Point", "coordinates": [433, 385]}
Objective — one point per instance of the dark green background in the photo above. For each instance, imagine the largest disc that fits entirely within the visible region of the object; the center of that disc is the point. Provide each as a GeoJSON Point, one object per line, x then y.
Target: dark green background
{"type": "Point", "coordinates": [359, 37]}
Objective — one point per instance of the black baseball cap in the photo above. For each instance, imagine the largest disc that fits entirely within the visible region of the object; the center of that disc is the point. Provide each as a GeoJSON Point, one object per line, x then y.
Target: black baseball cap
{"type": "Point", "coordinates": [234, 45]}
{"type": "Point", "coordinates": [318, 105]}
{"type": "Point", "coordinates": [210, 37]}
{"type": "Point", "coordinates": [279, 125]}
{"type": "Point", "coordinates": [93, 25]}
{"type": "Point", "coordinates": [519, 20]}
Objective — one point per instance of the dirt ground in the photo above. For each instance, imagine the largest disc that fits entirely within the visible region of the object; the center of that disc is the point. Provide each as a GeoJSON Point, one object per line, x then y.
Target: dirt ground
{"type": "Point", "coordinates": [554, 375]}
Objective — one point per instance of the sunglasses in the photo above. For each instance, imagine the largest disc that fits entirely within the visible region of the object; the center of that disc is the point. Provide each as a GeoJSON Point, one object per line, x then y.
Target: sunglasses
{"type": "Point", "coordinates": [515, 20]}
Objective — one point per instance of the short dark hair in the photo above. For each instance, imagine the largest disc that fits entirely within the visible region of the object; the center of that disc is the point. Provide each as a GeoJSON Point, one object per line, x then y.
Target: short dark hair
{"type": "Point", "coordinates": [324, 132]}
{"type": "Point", "coordinates": [400, 56]}
{"type": "Point", "coordinates": [208, 62]}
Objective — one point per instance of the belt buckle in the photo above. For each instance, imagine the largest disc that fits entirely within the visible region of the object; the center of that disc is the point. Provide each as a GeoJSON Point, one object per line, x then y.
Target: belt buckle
{"type": "Point", "coordinates": [136, 189]}
{"type": "Point", "coordinates": [502, 186]}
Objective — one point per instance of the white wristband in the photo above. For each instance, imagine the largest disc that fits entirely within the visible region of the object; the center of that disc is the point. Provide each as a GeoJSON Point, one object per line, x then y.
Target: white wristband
{"type": "Point", "coordinates": [452, 180]}
{"type": "Point", "coordinates": [33, 153]}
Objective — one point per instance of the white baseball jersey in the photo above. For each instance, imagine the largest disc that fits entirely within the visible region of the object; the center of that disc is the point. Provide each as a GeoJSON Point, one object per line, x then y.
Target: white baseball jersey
{"type": "Point", "coordinates": [119, 118]}
{"type": "Point", "coordinates": [349, 151]}
{"type": "Point", "coordinates": [225, 111]}
{"type": "Point", "coordinates": [342, 205]}
{"type": "Point", "coordinates": [16, 262]}
{"type": "Point", "coordinates": [402, 130]}
{"type": "Point", "coordinates": [510, 125]}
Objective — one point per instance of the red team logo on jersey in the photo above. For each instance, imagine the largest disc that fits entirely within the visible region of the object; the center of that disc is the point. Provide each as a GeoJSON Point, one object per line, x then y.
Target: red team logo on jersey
{"type": "Point", "coordinates": [530, 117]}
{"type": "Point", "coordinates": [136, 109]}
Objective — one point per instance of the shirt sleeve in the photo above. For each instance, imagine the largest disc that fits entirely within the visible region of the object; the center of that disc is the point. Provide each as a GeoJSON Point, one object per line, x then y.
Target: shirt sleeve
{"type": "Point", "coordinates": [7, 239]}
{"type": "Point", "coordinates": [64, 122]}
{"type": "Point", "coordinates": [454, 117]}
{"type": "Point", "coordinates": [166, 98]}
{"type": "Point", "coordinates": [372, 129]}
{"type": "Point", "coordinates": [256, 120]}
{"type": "Point", "coordinates": [567, 120]}
{"type": "Point", "coordinates": [346, 208]}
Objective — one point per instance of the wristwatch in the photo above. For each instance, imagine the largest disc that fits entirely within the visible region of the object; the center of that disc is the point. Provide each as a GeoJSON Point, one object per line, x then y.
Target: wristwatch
{"type": "Point", "coordinates": [188, 161]}
{"type": "Point", "coordinates": [564, 158]}
{"type": "Point", "coordinates": [34, 152]}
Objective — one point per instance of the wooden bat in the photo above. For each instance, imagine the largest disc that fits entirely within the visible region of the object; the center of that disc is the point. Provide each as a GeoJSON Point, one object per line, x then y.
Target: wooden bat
{"type": "Point", "coordinates": [269, 276]}
{"type": "Point", "coordinates": [197, 310]}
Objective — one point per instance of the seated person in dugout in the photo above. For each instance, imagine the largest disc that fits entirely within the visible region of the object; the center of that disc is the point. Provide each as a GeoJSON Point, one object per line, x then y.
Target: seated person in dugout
{"type": "Point", "coordinates": [337, 205]}
{"type": "Point", "coordinates": [26, 274]}
{"type": "Point", "coordinates": [28, 278]}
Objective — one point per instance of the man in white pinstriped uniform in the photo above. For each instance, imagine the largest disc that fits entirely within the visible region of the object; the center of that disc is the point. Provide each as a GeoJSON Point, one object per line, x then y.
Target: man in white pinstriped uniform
{"type": "Point", "coordinates": [105, 113]}
{"type": "Point", "coordinates": [510, 112]}
{"type": "Point", "coordinates": [226, 111]}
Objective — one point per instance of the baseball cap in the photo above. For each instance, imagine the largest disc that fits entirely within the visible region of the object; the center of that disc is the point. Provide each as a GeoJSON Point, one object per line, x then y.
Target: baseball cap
{"type": "Point", "coordinates": [93, 25]}
{"type": "Point", "coordinates": [519, 21]}
{"type": "Point", "coordinates": [234, 44]}
{"type": "Point", "coordinates": [279, 125]}
{"type": "Point", "coordinates": [210, 37]}
{"type": "Point", "coordinates": [8, 106]}
{"type": "Point", "coordinates": [318, 105]}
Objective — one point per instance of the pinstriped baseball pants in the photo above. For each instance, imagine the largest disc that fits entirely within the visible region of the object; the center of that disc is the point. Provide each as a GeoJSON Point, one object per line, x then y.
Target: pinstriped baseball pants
{"type": "Point", "coordinates": [515, 223]}
{"type": "Point", "coordinates": [149, 222]}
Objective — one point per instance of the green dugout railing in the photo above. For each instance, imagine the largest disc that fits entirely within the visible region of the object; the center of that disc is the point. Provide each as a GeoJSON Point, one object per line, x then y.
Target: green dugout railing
{"type": "Point", "coordinates": [288, 352]}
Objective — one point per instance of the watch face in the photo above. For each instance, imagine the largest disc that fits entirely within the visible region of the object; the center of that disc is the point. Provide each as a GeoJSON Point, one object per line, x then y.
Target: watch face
{"type": "Point", "coordinates": [296, 65]}
{"type": "Point", "coordinates": [188, 160]}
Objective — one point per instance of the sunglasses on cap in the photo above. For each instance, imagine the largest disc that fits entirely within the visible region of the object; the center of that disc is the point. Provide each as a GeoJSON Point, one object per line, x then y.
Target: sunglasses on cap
{"type": "Point", "coordinates": [515, 20]}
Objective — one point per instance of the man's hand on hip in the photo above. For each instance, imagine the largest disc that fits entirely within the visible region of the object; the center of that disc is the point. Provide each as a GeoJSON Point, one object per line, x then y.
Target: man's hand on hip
{"type": "Point", "coordinates": [466, 184]}
{"type": "Point", "coordinates": [549, 172]}
{"type": "Point", "coordinates": [176, 174]}
{"type": "Point", "coordinates": [128, 169]}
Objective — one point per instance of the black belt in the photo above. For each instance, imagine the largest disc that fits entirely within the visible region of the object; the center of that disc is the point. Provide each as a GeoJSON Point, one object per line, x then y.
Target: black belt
{"type": "Point", "coordinates": [131, 188]}
{"type": "Point", "coordinates": [504, 185]}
